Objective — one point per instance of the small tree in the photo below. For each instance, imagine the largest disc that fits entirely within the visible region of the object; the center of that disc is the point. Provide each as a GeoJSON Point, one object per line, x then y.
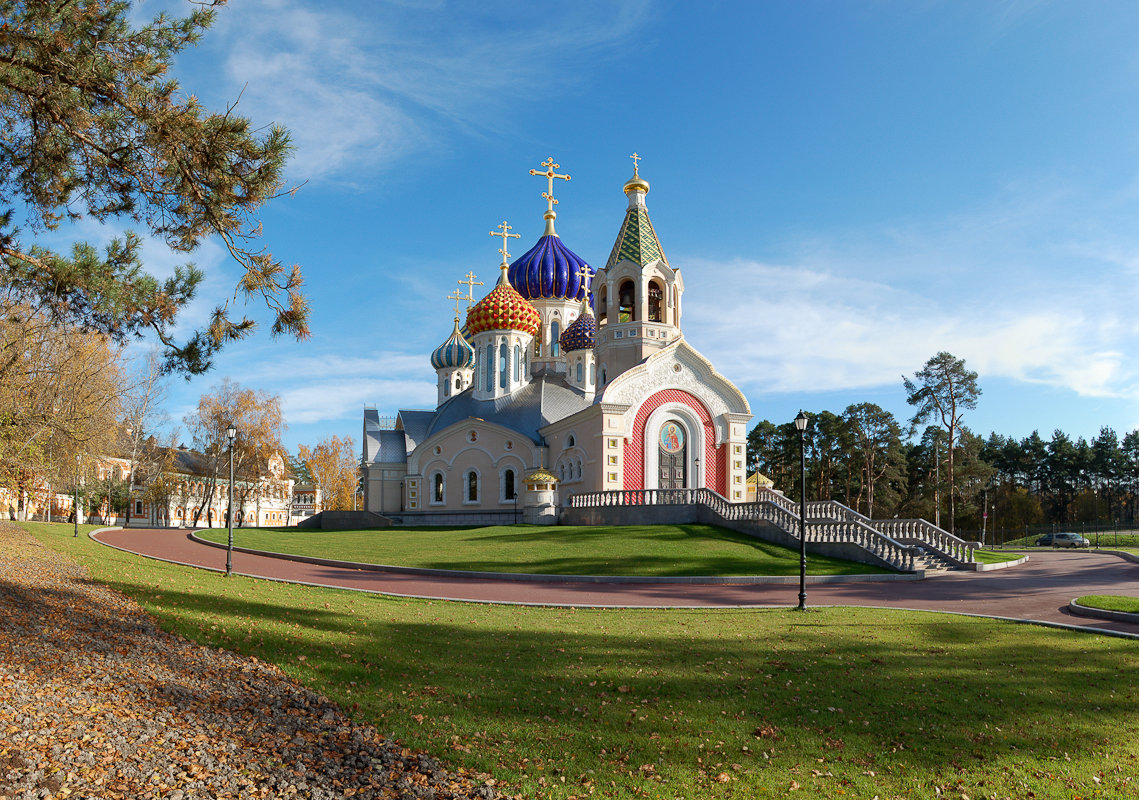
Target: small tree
{"type": "Point", "coordinates": [332, 464]}
{"type": "Point", "coordinates": [943, 390]}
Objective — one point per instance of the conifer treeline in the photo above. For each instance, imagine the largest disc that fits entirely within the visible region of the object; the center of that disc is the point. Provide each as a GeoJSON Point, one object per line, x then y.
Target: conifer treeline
{"type": "Point", "coordinates": [862, 458]}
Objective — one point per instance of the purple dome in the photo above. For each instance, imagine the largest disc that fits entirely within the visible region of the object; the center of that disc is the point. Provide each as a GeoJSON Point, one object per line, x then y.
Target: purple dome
{"type": "Point", "coordinates": [549, 271]}
{"type": "Point", "coordinates": [581, 334]}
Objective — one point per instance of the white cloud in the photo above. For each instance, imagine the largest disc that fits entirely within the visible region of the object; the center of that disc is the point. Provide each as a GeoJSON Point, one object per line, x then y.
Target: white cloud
{"type": "Point", "coordinates": [359, 89]}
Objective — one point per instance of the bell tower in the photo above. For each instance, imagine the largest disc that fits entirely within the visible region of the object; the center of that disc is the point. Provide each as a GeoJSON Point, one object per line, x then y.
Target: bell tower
{"type": "Point", "coordinates": [638, 294]}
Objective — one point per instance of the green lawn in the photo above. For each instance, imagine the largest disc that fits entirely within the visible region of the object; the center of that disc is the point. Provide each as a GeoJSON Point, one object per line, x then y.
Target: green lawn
{"type": "Point", "coordinates": [560, 703]}
{"type": "Point", "coordinates": [1110, 602]}
{"type": "Point", "coordinates": [662, 550]}
{"type": "Point", "coordinates": [994, 556]}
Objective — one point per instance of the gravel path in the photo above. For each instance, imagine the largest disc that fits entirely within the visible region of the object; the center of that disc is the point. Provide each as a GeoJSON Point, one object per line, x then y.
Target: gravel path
{"type": "Point", "coordinates": [97, 702]}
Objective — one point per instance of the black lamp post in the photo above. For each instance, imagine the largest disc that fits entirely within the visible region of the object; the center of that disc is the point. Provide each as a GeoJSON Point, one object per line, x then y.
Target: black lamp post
{"type": "Point", "coordinates": [231, 434]}
{"type": "Point", "coordinates": [801, 426]}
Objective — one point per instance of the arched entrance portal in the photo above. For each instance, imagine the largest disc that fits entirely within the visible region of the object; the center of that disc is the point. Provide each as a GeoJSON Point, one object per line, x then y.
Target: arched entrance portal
{"type": "Point", "coordinates": [672, 458]}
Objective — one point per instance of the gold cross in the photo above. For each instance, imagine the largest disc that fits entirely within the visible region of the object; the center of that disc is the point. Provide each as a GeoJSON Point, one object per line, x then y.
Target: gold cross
{"type": "Point", "coordinates": [550, 175]}
{"type": "Point", "coordinates": [504, 233]}
{"type": "Point", "coordinates": [636, 162]}
{"type": "Point", "coordinates": [583, 273]}
{"type": "Point", "coordinates": [471, 283]}
{"type": "Point", "coordinates": [457, 295]}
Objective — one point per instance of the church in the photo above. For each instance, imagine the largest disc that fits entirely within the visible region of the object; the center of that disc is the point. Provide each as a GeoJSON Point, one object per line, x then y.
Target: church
{"type": "Point", "coordinates": [563, 379]}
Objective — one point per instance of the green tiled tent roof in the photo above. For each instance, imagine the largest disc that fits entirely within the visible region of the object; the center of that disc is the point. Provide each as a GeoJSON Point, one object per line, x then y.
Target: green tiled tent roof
{"type": "Point", "coordinates": [637, 240]}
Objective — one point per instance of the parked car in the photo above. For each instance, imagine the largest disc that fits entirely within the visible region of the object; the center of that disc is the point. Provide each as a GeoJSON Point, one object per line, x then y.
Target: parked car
{"type": "Point", "coordinates": [1062, 540]}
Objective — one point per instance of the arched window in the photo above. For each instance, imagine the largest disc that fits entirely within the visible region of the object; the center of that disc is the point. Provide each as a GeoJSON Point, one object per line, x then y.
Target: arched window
{"type": "Point", "coordinates": [490, 367]}
{"type": "Point", "coordinates": [517, 363]}
{"type": "Point", "coordinates": [447, 389]}
{"type": "Point", "coordinates": [604, 378]}
{"type": "Point", "coordinates": [472, 487]}
{"type": "Point", "coordinates": [458, 382]}
{"type": "Point", "coordinates": [509, 490]}
{"type": "Point", "coordinates": [503, 364]}
{"type": "Point", "coordinates": [538, 343]}
{"type": "Point", "coordinates": [626, 302]}
{"type": "Point", "coordinates": [603, 305]}
{"type": "Point", "coordinates": [579, 370]}
{"type": "Point", "coordinates": [656, 297]}
{"type": "Point", "coordinates": [592, 374]}
{"type": "Point", "coordinates": [570, 441]}
{"type": "Point", "coordinates": [555, 345]}
{"type": "Point", "coordinates": [437, 488]}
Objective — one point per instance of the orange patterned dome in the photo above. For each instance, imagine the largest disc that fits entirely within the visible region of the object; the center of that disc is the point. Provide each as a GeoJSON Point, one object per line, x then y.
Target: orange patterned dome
{"type": "Point", "coordinates": [503, 309]}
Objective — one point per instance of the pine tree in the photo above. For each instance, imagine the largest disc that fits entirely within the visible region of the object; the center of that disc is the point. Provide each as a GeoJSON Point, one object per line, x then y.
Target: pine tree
{"type": "Point", "coordinates": [92, 127]}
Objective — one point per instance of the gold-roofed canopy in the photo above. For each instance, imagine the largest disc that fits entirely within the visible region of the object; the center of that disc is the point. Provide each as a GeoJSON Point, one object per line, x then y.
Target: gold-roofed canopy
{"type": "Point", "coordinates": [504, 232]}
{"type": "Point", "coordinates": [550, 173]}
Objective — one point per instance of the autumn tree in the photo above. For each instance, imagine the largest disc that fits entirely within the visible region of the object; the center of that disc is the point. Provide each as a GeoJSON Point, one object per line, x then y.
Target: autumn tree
{"type": "Point", "coordinates": [942, 391]}
{"type": "Point", "coordinates": [59, 398]}
{"type": "Point", "coordinates": [260, 429]}
{"type": "Point", "coordinates": [333, 466]}
{"type": "Point", "coordinates": [94, 128]}
{"type": "Point", "coordinates": [143, 414]}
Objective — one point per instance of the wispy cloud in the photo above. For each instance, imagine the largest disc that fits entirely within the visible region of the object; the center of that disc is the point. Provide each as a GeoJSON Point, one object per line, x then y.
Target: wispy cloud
{"type": "Point", "coordinates": [359, 90]}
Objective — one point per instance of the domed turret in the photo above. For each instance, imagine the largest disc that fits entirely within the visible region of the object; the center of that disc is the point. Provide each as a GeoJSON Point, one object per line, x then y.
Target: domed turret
{"type": "Point", "coordinates": [503, 309]}
{"type": "Point", "coordinates": [454, 362]}
{"type": "Point", "coordinates": [455, 352]}
{"type": "Point", "coordinates": [581, 334]}
{"type": "Point", "coordinates": [550, 271]}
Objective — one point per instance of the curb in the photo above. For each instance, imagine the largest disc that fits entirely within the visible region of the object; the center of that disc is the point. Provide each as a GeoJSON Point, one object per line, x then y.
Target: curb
{"type": "Point", "coordinates": [585, 579]}
{"type": "Point", "coordinates": [1102, 613]}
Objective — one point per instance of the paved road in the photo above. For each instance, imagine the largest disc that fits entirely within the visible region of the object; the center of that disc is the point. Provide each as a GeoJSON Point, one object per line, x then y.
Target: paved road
{"type": "Point", "coordinates": [1038, 590]}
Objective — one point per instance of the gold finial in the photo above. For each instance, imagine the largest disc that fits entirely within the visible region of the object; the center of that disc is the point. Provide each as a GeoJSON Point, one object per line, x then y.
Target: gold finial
{"type": "Point", "coordinates": [469, 281]}
{"type": "Point", "coordinates": [503, 231]}
{"type": "Point", "coordinates": [457, 296]}
{"type": "Point", "coordinates": [550, 174]}
{"type": "Point", "coordinates": [636, 187]}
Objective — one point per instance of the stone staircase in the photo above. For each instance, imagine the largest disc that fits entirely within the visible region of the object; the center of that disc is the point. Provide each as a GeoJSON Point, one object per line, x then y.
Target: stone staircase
{"type": "Point", "coordinates": [909, 545]}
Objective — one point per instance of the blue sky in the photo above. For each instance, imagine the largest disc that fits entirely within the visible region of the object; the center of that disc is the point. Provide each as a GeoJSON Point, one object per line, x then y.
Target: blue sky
{"type": "Point", "coordinates": [848, 188]}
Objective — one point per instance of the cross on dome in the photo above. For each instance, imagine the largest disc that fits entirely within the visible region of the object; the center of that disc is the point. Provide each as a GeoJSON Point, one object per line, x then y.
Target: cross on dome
{"type": "Point", "coordinates": [583, 276]}
{"type": "Point", "coordinates": [636, 163]}
{"type": "Point", "coordinates": [550, 174]}
{"type": "Point", "coordinates": [504, 233]}
{"type": "Point", "coordinates": [457, 296]}
{"type": "Point", "coordinates": [469, 281]}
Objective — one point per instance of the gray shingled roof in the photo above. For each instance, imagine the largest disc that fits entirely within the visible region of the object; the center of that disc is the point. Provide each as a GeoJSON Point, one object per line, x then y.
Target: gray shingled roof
{"type": "Point", "coordinates": [544, 400]}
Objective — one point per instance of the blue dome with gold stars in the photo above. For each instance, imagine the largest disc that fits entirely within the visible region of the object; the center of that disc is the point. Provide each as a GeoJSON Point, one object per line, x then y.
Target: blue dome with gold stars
{"type": "Point", "coordinates": [581, 333]}
{"type": "Point", "coordinates": [550, 271]}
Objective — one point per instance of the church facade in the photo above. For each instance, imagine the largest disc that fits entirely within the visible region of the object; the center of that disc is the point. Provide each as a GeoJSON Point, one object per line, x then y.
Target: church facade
{"type": "Point", "coordinates": [566, 377]}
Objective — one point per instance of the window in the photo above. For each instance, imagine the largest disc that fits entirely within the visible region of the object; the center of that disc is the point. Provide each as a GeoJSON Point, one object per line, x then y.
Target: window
{"type": "Point", "coordinates": [602, 306]}
{"type": "Point", "coordinates": [490, 367]}
{"type": "Point", "coordinates": [437, 488]}
{"type": "Point", "coordinates": [517, 363]}
{"type": "Point", "coordinates": [472, 487]}
{"type": "Point", "coordinates": [626, 308]}
{"type": "Point", "coordinates": [447, 389]}
{"type": "Point", "coordinates": [579, 371]}
{"type": "Point", "coordinates": [509, 489]}
{"type": "Point", "coordinates": [503, 364]}
{"type": "Point", "coordinates": [138, 506]}
{"type": "Point", "coordinates": [458, 383]}
{"type": "Point", "coordinates": [555, 345]}
{"type": "Point", "coordinates": [656, 296]}
{"type": "Point", "coordinates": [570, 441]}
{"type": "Point", "coordinates": [592, 374]}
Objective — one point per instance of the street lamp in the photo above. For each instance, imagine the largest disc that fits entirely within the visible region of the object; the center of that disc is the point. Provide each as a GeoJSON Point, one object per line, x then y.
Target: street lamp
{"type": "Point", "coordinates": [801, 426]}
{"type": "Point", "coordinates": [231, 434]}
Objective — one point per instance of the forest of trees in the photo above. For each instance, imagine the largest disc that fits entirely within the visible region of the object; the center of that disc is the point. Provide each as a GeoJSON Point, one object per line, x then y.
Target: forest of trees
{"type": "Point", "coordinates": [1025, 482]}
{"type": "Point", "coordinates": [865, 459]}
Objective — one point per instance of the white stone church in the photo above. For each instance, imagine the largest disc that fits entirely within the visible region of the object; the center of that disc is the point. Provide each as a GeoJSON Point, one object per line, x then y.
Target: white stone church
{"type": "Point", "coordinates": [563, 376]}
